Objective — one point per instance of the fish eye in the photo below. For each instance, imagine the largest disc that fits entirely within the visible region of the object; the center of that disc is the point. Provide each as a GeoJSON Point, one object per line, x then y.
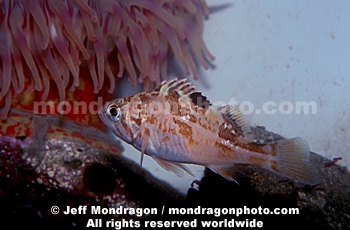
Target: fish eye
{"type": "Point", "coordinates": [114, 112]}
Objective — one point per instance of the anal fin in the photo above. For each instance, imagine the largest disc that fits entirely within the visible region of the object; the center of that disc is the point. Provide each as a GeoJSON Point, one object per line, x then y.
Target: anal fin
{"type": "Point", "coordinates": [230, 172]}
{"type": "Point", "coordinates": [174, 167]}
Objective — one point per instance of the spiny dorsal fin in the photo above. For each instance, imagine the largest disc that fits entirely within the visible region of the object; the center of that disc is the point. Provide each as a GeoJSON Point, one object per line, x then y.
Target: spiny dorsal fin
{"type": "Point", "coordinates": [235, 115]}
{"type": "Point", "coordinates": [200, 100]}
{"type": "Point", "coordinates": [185, 90]}
{"type": "Point", "coordinates": [175, 85]}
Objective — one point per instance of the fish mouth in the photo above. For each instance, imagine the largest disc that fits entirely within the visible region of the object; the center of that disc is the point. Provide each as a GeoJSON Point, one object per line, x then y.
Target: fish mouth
{"type": "Point", "coordinates": [102, 111]}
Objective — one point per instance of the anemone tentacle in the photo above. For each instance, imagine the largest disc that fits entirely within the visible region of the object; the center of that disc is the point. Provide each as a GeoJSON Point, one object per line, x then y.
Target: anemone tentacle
{"type": "Point", "coordinates": [43, 41]}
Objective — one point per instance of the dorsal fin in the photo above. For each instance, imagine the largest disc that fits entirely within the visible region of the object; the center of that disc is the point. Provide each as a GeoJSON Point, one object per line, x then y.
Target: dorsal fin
{"type": "Point", "coordinates": [178, 86]}
{"type": "Point", "coordinates": [199, 100]}
{"type": "Point", "coordinates": [235, 115]}
{"type": "Point", "coordinates": [185, 90]}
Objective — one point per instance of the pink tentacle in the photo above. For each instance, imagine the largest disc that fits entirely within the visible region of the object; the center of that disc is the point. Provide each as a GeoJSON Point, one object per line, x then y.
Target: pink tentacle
{"type": "Point", "coordinates": [100, 55]}
{"type": "Point", "coordinates": [92, 67]}
{"type": "Point", "coordinates": [6, 109]}
{"type": "Point", "coordinates": [121, 66]}
{"type": "Point", "coordinates": [151, 32]}
{"type": "Point", "coordinates": [17, 70]}
{"type": "Point", "coordinates": [36, 9]}
{"type": "Point", "coordinates": [87, 25]}
{"type": "Point", "coordinates": [156, 9]}
{"type": "Point", "coordinates": [60, 44]}
{"type": "Point", "coordinates": [5, 53]}
{"type": "Point", "coordinates": [51, 66]}
{"type": "Point", "coordinates": [126, 58]}
{"type": "Point", "coordinates": [63, 14]}
{"type": "Point", "coordinates": [83, 5]}
{"type": "Point", "coordinates": [110, 77]}
{"type": "Point", "coordinates": [17, 22]}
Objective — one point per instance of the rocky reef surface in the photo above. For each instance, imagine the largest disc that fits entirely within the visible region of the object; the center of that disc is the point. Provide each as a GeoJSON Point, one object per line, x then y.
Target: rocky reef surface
{"type": "Point", "coordinates": [67, 172]}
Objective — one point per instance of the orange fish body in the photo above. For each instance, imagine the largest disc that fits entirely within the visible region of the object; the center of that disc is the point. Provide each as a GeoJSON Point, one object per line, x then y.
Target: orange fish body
{"type": "Point", "coordinates": [175, 124]}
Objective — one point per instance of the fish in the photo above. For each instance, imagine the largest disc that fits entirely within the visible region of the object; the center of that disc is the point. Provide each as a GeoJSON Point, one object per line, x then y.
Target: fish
{"type": "Point", "coordinates": [176, 125]}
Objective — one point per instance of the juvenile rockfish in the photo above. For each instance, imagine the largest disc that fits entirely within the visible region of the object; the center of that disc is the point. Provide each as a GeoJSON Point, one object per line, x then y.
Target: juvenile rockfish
{"type": "Point", "coordinates": [175, 124]}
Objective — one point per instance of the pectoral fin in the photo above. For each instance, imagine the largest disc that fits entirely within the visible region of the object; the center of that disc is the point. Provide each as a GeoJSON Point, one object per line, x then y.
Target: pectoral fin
{"type": "Point", "coordinates": [144, 144]}
{"type": "Point", "coordinates": [232, 172]}
{"type": "Point", "coordinates": [174, 167]}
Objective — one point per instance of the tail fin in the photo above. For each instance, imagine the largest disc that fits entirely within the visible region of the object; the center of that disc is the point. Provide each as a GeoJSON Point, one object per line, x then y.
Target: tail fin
{"type": "Point", "coordinates": [291, 158]}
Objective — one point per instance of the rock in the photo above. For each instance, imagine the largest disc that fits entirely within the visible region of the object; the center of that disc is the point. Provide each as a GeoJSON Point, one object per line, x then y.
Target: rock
{"type": "Point", "coordinates": [323, 206]}
{"type": "Point", "coordinates": [67, 172]}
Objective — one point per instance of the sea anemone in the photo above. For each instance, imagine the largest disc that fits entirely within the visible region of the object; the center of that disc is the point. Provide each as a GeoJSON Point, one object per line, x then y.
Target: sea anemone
{"type": "Point", "coordinates": [51, 41]}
